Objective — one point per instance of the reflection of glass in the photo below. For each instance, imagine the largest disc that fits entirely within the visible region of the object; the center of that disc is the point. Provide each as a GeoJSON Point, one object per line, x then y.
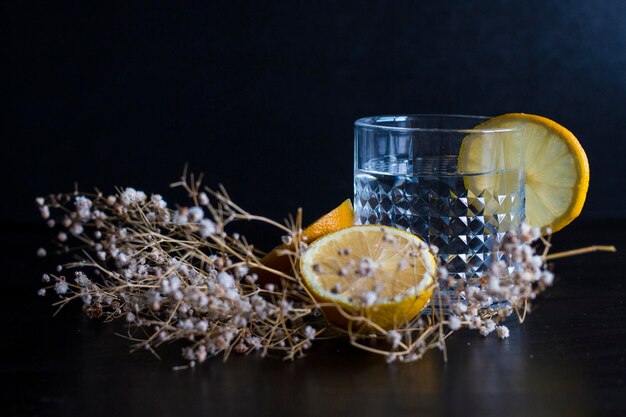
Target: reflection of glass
{"type": "Point", "coordinates": [442, 178]}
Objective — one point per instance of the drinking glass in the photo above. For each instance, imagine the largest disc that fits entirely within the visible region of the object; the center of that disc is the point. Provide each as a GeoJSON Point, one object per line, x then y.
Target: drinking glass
{"type": "Point", "coordinates": [444, 178]}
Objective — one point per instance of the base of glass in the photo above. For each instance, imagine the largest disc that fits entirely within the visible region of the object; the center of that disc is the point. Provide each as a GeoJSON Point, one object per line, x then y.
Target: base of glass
{"type": "Point", "coordinates": [448, 298]}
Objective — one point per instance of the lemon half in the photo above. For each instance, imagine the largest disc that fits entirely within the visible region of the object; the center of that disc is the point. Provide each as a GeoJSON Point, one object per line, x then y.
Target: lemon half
{"type": "Point", "coordinates": [380, 273]}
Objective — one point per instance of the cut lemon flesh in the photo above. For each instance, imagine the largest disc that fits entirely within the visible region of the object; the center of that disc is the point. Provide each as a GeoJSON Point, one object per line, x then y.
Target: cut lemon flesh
{"type": "Point", "coordinates": [279, 260]}
{"type": "Point", "coordinates": [379, 273]}
{"type": "Point", "coordinates": [555, 165]}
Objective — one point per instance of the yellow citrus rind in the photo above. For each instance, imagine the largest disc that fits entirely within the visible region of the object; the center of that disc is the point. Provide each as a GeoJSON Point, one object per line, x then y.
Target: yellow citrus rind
{"type": "Point", "coordinates": [402, 292]}
{"type": "Point", "coordinates": [339, 218]}
{"type": "Point", "coordinates": [555, 164]}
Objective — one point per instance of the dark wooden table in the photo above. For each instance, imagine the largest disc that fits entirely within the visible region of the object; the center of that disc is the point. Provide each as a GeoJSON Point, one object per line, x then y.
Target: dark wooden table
{"type": "Point", "coordinates": [567, 359]}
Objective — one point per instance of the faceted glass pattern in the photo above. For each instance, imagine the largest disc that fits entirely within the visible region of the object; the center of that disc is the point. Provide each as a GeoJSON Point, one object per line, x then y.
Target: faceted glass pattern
{"type": "Point", "coordinates": [465, 226]}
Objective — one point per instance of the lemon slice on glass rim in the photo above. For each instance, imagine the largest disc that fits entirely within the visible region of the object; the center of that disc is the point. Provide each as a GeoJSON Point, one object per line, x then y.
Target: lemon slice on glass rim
{"type": "Point", "coordinates": [379, 273]}
{"type": "Point", "coordinates": [555, 164]}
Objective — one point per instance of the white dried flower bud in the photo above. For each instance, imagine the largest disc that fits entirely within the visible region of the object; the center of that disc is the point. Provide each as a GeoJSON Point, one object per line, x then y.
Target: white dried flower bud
{"type": "Point", "coordinates": [388, 237]}
{"type": "Point", "coordinates": [547, 278]}
{"type": "Point", "coordinates": [394, 338]}
{"type": "Point", "coordinates": [459, 308]}
{"type": "Point", "coordinates": [524, 232]}
{"type": "Point", "coordinates": [130, 196]}
{"type": "Point", "coordinates": [284, 306]}
{"type": "Point", "coordinates": [45, 212]}
{"type": "Point", "coordinates": [180, 217]}
{"type": "Point", "coordinates": [202, 325]}
{"type": "Point", "coordinates": [493, 284]}
{"type": "Point", "coordinates": [241, 271]}
{"type": "Point", "coordinates": [195, 214]}
{"type": "Point", "coordinates": [157, 201]}
{"type": "Point", "coordinates": [87, 298]}
{"type": "Point", "coordinates": [309, 332]}
{"type": "Point", "coordinates": [67, 222]}
{"type": "Point", "coordinates": [402, 264]}
{"type": "Point", "coordinates": [366, 267]}
{"type": "Point", "coordinates": [83, 207]}
{"type": "Point", "coordinates": [201, 353]}
{"type": "Point", "coordinates": [503, 332]}
{"type": "Point", "coordinates": [184, 308]}
{"type": "Point", "coordinates": [527, 276]}
{"type": "Point", "coordinates": [490, 325]}
{"type": "Point", "coordinates": [225, 280]}
{"type": "Point", "coordinates": [207, 228]}
{"type": "Point", "coordinates": [475, 322]}
{"type": "Point", "coordinates": [368, 298]}
{"type": "Point", "coordinates": [77, 229]}
{"type": "Point", "coordinates": [442, 272]}
{"type": "Point", "coordinates": [61, 287]}
{"type": "Point", "coordinates": [471, 292]}
{"type": "Point", "coordinates": [41, 292]}
{"type": "Point", "coordinates": [203, 199]}
{"type": "Point", "coordinates": [454, 323]}
{"type": "Point", "coordinates": [122, 258]}
{"type": "Point", "coordinates": [165, 286]}
{"type": "Point", "coordinates": [81, 279]}
{"type": "Point", "coordinates": [41, 252]}
{"type": "Point", "coordinates": [528, 233]}
{"type": "Point", "coordinates": [536, 261]}
{"type": "Point", "coordinates": [175, 283]}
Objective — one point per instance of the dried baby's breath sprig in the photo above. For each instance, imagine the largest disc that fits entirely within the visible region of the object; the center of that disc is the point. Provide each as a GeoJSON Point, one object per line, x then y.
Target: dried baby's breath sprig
{"type": "Point", "coordinates": [178, 275]}
{"type": "Point", "coordinates": [175, 274]}
{"type": "Point", "coordinates": [517, 275]}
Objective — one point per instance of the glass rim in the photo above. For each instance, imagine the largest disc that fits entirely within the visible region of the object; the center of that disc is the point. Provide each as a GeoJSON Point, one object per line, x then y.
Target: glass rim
{"type": "Point", "coordinates": [372, 122]}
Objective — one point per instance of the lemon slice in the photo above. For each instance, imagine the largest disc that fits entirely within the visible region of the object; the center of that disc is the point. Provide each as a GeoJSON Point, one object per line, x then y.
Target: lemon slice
{"type": "Point", "coordinates": [380, 273]}
{"type": "Point", "coordinates": [278, 260]}
{"type": "Point", "coordinates": [556, 167]}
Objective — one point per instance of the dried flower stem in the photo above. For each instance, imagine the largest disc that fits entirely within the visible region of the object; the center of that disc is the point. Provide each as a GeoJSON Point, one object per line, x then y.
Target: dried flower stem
{"type": "Point", "coordinates": [581, 251]}
{"type": "Point", "coordinates": [176, 275]}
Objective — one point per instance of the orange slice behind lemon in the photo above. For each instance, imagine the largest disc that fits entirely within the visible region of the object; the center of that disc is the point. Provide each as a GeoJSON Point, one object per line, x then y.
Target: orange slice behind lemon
{"type": "Point", "coordinates": [279, 259]}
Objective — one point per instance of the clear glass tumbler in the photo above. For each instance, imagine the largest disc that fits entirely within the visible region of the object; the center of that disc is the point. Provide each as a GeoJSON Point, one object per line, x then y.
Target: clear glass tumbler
{"type": "Point", "coordinates": [443, 178]}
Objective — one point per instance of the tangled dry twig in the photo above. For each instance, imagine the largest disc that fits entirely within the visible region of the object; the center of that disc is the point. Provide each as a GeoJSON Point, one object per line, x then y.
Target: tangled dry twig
{"type": "Point", "coordinates": [177, 275]}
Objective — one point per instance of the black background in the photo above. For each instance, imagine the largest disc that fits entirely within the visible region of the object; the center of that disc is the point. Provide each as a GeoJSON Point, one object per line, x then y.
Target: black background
{"type": "Point", "coordinates": [261, 96]}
